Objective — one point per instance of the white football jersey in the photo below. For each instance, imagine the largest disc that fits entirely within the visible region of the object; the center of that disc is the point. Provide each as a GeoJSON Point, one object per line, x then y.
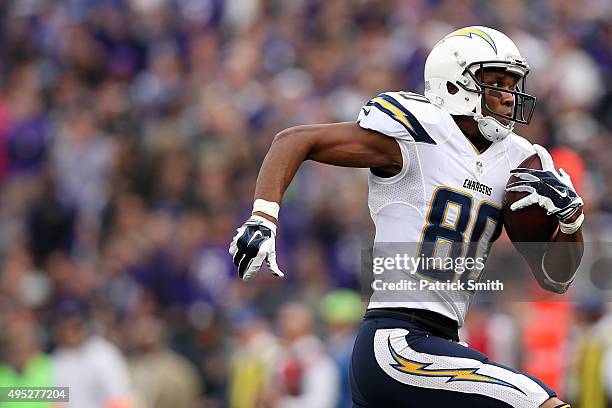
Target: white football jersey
{"type": "Point", "coordinates": [446, 196]}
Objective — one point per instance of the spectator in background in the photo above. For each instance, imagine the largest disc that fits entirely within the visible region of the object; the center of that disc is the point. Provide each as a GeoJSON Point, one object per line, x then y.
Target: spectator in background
{"type": "Point", "coordinates": [342, 311]}
{"type": "Point", "coordinates": [306, 376]}
{"type": "Point", "coordinates": [83, 157]}
{"type": "Point", "coordinates": [51, 223]}
{"type": "Point", "coordinates": [253, 359]}
{"type": "Point", "coordinates": [161, 377]}
{"type": "Point", "coordinates": [93, 368]}
{"type": "Point", "coordinates": [590, 373]}
{"type": "Point", "coordinates": [24, 363]}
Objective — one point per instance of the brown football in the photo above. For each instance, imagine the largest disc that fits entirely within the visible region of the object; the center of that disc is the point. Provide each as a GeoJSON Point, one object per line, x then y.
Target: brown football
{"type": "Point", "coordinates": [530, 224]}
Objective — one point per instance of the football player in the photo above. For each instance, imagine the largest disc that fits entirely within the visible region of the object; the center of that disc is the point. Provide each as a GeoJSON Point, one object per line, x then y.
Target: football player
{"type": "Point", "coordinates": [438, 170]}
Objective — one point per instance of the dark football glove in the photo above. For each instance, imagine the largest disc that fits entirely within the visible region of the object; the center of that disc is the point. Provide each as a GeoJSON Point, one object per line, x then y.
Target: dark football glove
{"type": "Point", "coordinates": [550, 189]}
{"type": "Point", "coordinates": [252, 245]}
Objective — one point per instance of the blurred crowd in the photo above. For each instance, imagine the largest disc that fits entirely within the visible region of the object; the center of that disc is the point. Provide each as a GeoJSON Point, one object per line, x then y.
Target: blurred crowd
{"type": "Point", "coordinates": [131, 133]}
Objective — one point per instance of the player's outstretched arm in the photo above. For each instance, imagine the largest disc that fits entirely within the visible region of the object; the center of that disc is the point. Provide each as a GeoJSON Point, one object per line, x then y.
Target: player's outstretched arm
{"type": "Point", "coordinates": [555, 265]}
{"type": "Point", "coordinates": [342, 144]}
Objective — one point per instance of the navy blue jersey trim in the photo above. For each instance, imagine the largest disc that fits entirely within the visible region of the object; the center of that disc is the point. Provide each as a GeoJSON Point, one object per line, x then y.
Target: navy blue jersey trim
{"type": "Point", "coordinates": [419, 134]}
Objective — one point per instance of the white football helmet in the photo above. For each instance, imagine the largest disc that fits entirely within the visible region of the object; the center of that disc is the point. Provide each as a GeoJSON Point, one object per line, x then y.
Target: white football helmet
{"type": "Point", "coordinates": [457, 57]}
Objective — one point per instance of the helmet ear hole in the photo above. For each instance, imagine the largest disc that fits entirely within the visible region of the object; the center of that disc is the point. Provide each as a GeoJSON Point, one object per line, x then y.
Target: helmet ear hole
{"type": "Point", "coordinates": [451, 88]}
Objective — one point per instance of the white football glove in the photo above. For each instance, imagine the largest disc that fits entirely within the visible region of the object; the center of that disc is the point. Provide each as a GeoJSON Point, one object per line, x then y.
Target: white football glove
{"type": "Point", "coordinates": [550, 189]}
{"type": "Point", "coordinates": [252, 245]}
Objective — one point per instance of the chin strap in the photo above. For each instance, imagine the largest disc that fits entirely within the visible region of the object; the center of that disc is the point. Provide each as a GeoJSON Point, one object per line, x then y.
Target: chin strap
{"type": "Point", "coordinates": [491, 129]}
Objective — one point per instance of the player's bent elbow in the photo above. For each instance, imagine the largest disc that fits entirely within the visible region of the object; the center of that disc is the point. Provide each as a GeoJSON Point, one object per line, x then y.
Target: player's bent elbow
{"type": "Point", "coordinates": [283, 135]}
{"type": "Point", "coordinates": [292, 134]}
{"type": "Point", "coordinates": [555, 287]}
{"type": "Point", "coordinates": [303, 140]}
{"type": "Point", "coordinates": [557, 282]}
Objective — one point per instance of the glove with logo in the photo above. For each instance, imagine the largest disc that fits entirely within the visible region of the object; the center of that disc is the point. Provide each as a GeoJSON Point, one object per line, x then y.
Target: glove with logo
{"type": "Point", "coordinates": [550, 189]}
{"type": "Point", "coordinates": [252, 245]}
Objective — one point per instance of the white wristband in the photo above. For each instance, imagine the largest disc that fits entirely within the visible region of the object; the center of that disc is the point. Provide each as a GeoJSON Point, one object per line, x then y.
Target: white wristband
{"type": "Point", "coordinates": [571, 228]}
{"type": "Point", "coordinates": [267, 207]}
